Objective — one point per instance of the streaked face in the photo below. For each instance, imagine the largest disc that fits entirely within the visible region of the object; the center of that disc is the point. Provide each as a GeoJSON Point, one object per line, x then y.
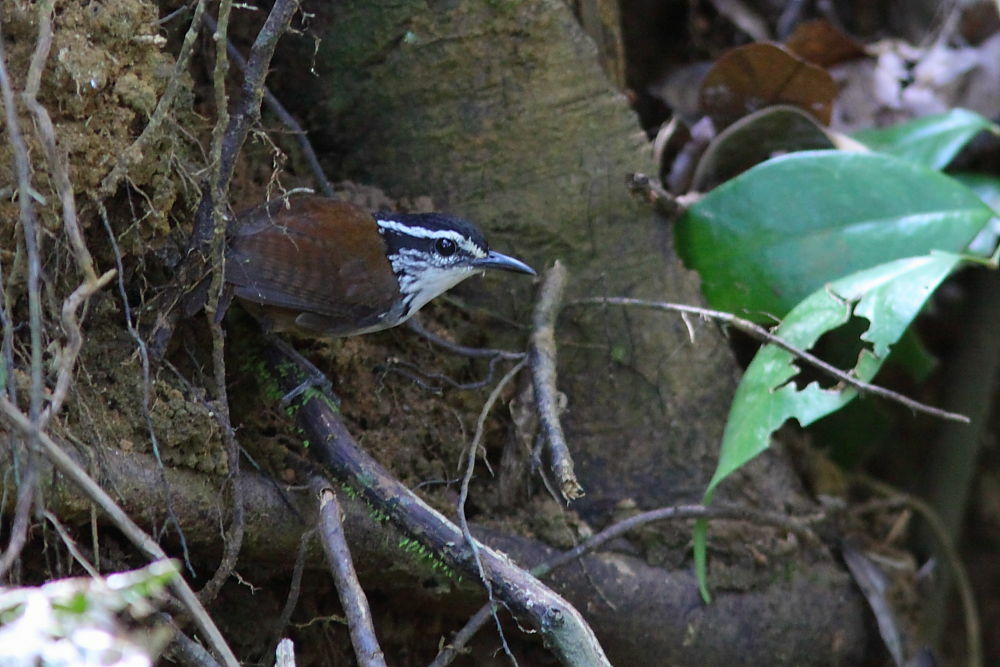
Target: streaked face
{"type": "Point", "coordinates": [430, 253]}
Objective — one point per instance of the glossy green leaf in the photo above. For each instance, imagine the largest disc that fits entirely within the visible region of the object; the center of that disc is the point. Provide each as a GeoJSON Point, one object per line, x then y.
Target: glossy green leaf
{"type": "Point", "coordinates": [766, 239]}
{"type": "Point", "coordinates": [987, 187]}
{"type": "Point", "coordinates": [984, 185]}
{"type": "Point", "coordinates": [889, 296]}
{"type": "Point", "coordinates": [932, 141]}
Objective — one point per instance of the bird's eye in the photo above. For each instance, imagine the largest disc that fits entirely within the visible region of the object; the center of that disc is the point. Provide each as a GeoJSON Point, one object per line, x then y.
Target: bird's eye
{"type": "Point", "coordinates": [445, 247]}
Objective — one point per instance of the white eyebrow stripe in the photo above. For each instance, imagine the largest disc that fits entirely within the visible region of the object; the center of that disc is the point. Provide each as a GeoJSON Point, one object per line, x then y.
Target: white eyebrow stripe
{"type": "Point", "coordinates": [423, 233]}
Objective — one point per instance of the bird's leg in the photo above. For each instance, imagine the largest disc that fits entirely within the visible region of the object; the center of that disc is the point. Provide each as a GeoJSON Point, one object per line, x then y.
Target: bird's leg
{"type": "Point", "coordinates": [316, 377]}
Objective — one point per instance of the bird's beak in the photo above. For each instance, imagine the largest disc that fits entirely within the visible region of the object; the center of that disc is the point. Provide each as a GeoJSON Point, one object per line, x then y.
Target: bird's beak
{"type": "Point", "coordinates": [495, 260]}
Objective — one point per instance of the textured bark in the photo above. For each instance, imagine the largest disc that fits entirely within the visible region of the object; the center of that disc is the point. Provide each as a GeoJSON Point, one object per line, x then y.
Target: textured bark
{"type": "Point", "coordinates": [501, 113]}
{"type": "Point", "coordinates": [810, 615]}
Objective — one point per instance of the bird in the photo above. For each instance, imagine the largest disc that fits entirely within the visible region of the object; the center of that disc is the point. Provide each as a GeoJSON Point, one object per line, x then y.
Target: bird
{"type": "Point", "coordinates": [324, 267]}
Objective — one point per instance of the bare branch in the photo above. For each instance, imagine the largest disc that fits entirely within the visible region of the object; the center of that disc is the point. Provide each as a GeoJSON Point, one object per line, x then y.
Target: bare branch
{"type": "Point", "coordinates": [797, 525]}
{"type": "Point", "coordinates": [763, 335]}
{"type": "Point", "coordinates": [68, 467]}
{"type": "Point", "coordinates": [56, 162]}
{"type": "Point", "coordinates": [542, 353]}
{"type": "Point", "coordinates": [29, 225]}
{"type": "Point", "coordinates": [246, 113]}
{"type": "Point", "coordinates": [470, 467]}
{"type": "Point", "coordinates": [352, 596]}
{"type": "Point", "coordinates": [209, 217]}
{"type": "Point", "coordinates": [294, 588]}
{"type": "Point", "coordinates": [25, 191]}
{"type": "Point", "coordinates": [289, 121]}
{"type": "Point", "coordinates": [71, 545]}
{"type": "Point", "coordinates": [563, 628]}
{"type": "Point", "coordinates": [237, 526]}
{"type": "Point", "coordinates": [417, 327]}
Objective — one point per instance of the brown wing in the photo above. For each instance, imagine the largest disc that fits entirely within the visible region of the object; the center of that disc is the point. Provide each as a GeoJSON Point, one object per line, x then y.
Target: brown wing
{"type": "Point", "coordinates": [321, 257]}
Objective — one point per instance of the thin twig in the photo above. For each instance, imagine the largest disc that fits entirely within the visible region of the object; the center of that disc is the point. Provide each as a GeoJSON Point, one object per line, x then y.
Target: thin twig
{"type": "Point", "coordinates": [289, 121]}
{"type": "Point", "coordinates": [74, 341]}
{"type": "Point", "coordinates": [246, 113]}
{"type": "Point", "coordinates": [237, 526]}
{"type": "Point", "coordinates": [562, 626]}
{"type": "Point", "coordinates": [417, 327]}
{"type": "Point", "coordinates": [452, 649]}
{"type": "Point", "coordinates": [71, 545]}
{"type": "Point", "coordinates": [22, 513]}
{"type": "Point", "coordinates": [46, 132]}
{"type": "Point", "coordinates": [352, 596]}
{"type": "Point", "coordinates": [68, 467]}
{"type": "Point", "coordinates": [184, 650]}
{"type": "Point", "coordinates": [796, 525]}
{"type": "Point", "coordinates": [294, 588]}
{"type": "Point", "coordinates": [29, 228]}
{"type": "Point", "coordinates": [211, 225]}
{"type": "Point", "coordinates": [762, 334]}
{"type": "Point", "coordinates": [421, 377]}
{"type": "Point", "coordinates": [59, 171]}
{"type": "Point", "coordinates": [542, 352]}
{"type": "Point", "coordinates": [147, 412]}
{"type": "Point", "coordinates": [218, 184]}
{"type": "Point", "coordinates": [470, 467]}
{"type": "Point", "coordinates": [226, 145]}
{"type": "Point", "coordinates": [650, 190]}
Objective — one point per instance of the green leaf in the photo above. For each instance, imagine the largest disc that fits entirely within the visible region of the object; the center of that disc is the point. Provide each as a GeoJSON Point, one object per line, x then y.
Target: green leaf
{"type": "Point", "coordinates": [911, 355]}
{"type": "Point", "coordinates": [984, 185]}
{"type": "Point", "coordinates": [700, 539]}
{"type": "Point", "coordinates": [932, 141]}
{"type": "Point", "coordinates": [988, 189]}
{"type": "Point", "coordinates": [889, 296]}
{"type": "Point", "coordinates": [766, 239]}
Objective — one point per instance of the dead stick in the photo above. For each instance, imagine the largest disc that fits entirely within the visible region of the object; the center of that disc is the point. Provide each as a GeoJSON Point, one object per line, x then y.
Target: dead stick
{"type": "Point", "coordinates": [763, 335]}
{"type": "Point", "coordinates": [797, 525]}
{"type": "Point", "coordinates": [229, 143]}
{"type": "Point", "coordinates": [29, 227]}
{"type": "Point", "coordinates": [352, 596]}
{"type": "Point", "coordinates": [278, 109]}
{"type": "Point", "coordinates": [542, 353]}
{"type": "Point", "coordinates": [294, 588]}
{"type": "Point", "coordinates": [470, 467]}
{"type": "Point", "coordinates": [67, 466]}
{"type": "Point", "coordinates": [562, 627]}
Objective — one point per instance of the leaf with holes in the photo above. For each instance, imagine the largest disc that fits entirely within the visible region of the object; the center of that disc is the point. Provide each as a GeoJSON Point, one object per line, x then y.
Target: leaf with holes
{"type": "Point", "coordinates": [932, 141]}
{"type": "Point", "coordinates": [766, 239]}
{"type": "Point", "coordinates": [889, 296]}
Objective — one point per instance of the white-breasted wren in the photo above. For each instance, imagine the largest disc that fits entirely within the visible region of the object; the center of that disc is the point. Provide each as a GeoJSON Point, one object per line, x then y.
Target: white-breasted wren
{"type": "Point", "coordinates": [326, 267]}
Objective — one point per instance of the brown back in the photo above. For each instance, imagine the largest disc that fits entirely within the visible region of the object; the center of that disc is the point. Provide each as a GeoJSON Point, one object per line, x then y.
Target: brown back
{"type": "Point", "coordinates": [314, 256]}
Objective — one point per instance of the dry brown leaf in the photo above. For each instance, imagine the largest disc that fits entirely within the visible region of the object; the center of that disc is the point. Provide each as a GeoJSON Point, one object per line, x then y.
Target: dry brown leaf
{"type": "Point", "coordinates": [749, 78]}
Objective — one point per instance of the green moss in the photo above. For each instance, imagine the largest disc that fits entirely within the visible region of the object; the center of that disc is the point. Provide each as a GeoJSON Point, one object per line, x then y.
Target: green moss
{"type": "Point", "coordinates": [426, 557]}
